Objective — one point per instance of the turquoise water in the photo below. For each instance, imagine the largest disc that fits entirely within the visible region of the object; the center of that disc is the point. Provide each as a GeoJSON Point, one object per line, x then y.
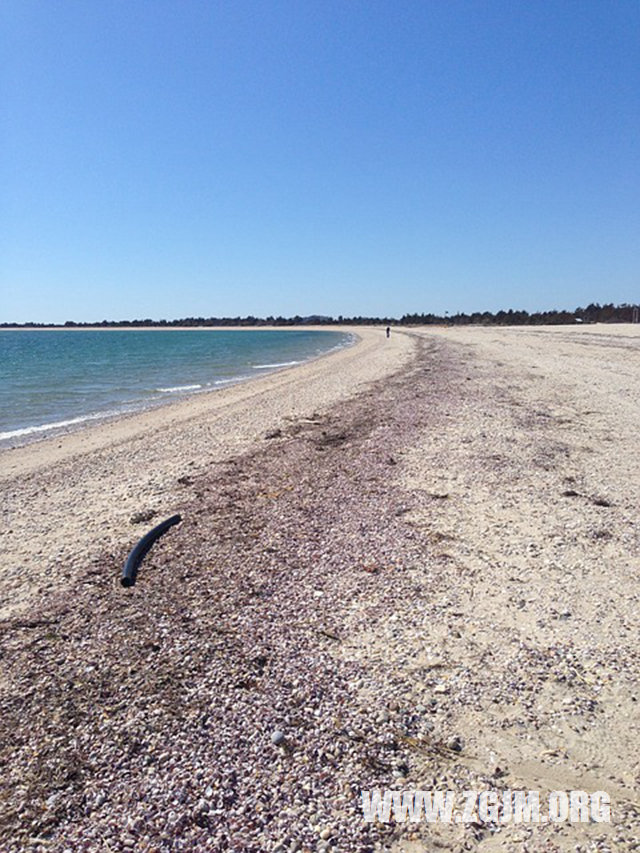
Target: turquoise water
{"type": "Point", "coordinates": [54, 381]}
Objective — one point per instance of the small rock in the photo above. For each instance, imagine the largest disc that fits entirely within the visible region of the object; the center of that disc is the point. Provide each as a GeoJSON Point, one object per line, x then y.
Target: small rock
{"type": "Point", "coordinates": [273, 433]}
{"type": "Point", "coordinates": [142, 516]}
{"type": "Point", "coordinates": [455, 743]}
{"type": "Point", "coordinates": [277, 737]}
{"type": "Point", "coordinates": [52, 800]}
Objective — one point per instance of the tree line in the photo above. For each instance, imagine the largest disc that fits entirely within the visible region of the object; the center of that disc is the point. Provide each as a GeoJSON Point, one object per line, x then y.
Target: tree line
{"type": "Point", "coordinates": [593, 313]}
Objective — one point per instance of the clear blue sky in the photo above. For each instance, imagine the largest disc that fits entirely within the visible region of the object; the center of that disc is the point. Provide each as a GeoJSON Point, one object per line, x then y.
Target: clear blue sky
{"type": "Point", "coordinates": [191, 158]}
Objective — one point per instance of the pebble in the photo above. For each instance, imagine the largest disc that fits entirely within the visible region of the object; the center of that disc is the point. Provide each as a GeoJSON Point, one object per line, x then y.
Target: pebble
{"type": "Point", "coordinates": [142, 516]}
{"type": "Point", "coordinates": [277, 737]}
{"type": "Point", "coordinates": [456, 743]}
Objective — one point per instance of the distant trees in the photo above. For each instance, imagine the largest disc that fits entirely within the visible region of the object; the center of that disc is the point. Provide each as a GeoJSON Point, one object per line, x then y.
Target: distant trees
{"type": "Point", "coordinates": [593, 313]}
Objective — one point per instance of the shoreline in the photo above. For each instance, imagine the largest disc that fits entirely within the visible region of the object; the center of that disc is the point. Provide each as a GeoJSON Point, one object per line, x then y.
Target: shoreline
{"type": "Point", "coordinates": [75, 493]}
{"type": "Point", "coordinates": [22, 437]}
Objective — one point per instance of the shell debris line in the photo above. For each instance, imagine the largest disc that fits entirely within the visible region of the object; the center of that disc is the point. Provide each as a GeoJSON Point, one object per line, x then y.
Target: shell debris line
{"type": "Point", "coordinates": [393, 592]}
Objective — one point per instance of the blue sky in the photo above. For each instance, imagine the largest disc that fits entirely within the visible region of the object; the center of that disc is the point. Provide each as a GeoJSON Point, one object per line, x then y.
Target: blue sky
{"type": "Point", "coordinates": [187, 158]}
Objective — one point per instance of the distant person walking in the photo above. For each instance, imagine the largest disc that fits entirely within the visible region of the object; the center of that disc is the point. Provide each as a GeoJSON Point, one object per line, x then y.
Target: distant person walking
{"type": "Point", "coordinates": [388, 330]}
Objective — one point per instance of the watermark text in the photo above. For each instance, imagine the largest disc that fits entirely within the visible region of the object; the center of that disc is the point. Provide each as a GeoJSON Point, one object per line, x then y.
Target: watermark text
{"type": "Point", "coordinates": [497, 807]}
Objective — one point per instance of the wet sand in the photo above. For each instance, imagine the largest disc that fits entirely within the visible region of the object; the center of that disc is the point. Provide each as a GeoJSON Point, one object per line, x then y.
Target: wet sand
{"type": "Point", "coordinates": [426, 577]}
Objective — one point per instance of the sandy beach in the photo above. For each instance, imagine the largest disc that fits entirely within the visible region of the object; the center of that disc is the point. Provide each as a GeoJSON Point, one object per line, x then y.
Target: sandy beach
{"type": "Point", "coordinates": [410, 564]}
{"type": "Point", "coordinates": [74, 495]}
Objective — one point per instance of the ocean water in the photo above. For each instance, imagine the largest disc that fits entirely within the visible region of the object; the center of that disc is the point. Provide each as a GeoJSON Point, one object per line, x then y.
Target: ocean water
{"type": "Point", "coordinates": [57, 380]}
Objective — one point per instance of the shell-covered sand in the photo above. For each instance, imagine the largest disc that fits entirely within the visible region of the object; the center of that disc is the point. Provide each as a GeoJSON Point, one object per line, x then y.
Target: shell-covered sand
{"type": "Point", "coordinates": [410, 564]}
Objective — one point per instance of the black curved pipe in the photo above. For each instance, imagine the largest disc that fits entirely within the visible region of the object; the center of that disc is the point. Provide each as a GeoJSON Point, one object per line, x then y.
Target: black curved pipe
{"type": "Point", "coordinates": [137, 555]}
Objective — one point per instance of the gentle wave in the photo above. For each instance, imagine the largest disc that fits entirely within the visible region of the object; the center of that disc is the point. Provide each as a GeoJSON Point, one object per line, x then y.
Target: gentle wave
{"type": "Point", "coordinates": [271, 366]}
{"type": "Point", "coordinates": [16, 433]}
{"type": "Point", "coordinates": [178, 388]}
{"type": "Point", "coordinates": [65, 380]}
